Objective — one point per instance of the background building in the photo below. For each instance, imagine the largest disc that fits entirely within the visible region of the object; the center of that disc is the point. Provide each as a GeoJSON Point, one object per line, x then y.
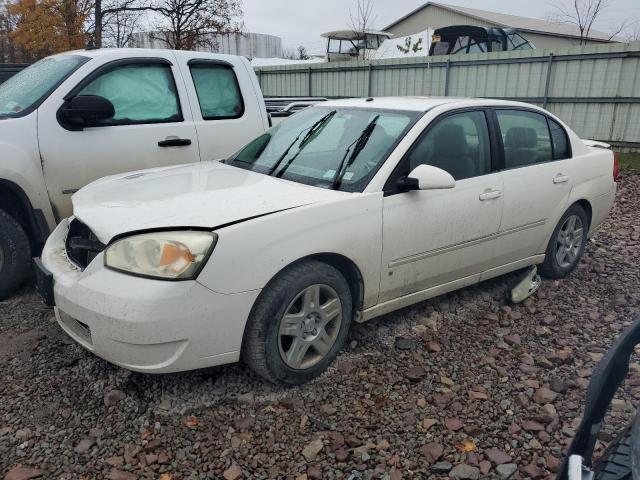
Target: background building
{"type": "Point", "coordinates": [251, 45]}
{"type": "Point", "coordinates": [543, 33]}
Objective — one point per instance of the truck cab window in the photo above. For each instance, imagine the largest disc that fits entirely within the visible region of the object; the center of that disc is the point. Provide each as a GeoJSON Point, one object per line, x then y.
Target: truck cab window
{"type": "Point", "coordinates": [218, 91]}
{"type": "Point", "coordinates": [140, 93]}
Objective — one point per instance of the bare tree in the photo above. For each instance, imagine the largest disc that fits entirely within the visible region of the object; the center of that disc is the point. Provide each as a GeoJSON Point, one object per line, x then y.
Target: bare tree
{"type": "Point", "coordinates": [188, 24]}
{"type": "Point", "coordinates": [361, 21]}
{"type": "Point", "coordinates": [632, 32]}
{"type": "Point", "coordinates": [582, 14]}
{"type": "Point", "coordinates": [119, 22]}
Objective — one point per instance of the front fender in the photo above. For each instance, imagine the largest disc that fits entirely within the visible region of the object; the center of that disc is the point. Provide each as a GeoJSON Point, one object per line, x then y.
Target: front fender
{"type": "Point", "coordinates": [251, 253]}
{"type": "Point", "coordinates": [20, 168]}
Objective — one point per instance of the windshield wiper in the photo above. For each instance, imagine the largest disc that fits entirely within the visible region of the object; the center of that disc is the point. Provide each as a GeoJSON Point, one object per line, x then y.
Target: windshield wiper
{"type": "Point", "coordinates": [347, 160]}
{"type": "Point", "coordinates": [314, 129]}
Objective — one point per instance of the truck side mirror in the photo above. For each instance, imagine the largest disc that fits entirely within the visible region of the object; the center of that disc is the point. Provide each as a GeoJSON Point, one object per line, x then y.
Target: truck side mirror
{"type": "Point", "coordinates": [85, 111]}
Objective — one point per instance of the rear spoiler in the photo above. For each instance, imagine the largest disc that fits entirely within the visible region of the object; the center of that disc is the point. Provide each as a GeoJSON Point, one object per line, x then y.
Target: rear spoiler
{"type": "Point", "coordinates": [596, 144]}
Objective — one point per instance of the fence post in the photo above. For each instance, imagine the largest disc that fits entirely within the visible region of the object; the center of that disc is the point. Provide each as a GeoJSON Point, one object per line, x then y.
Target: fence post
{"type": "Point", "coordinates": [548, 82]}
{"type": "Point", "coordinates": [309, 86]}
{"type": "Point", "coordinates": [369, 85]}
{"type": "Point", "coordinates": [446, 78]}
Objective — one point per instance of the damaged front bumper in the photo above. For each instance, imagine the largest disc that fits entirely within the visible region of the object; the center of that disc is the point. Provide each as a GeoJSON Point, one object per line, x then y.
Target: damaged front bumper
{"type": "Point", "coordinates": [143, 324]}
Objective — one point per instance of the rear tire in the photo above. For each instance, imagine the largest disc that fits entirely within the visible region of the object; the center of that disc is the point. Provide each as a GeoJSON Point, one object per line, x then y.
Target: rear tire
{"type": "Point", "coordinates": [567, 244]}
{"type": "Point", "coordinates": [15, 255]}
{"type": "Point", "coordinates": [306, 309]}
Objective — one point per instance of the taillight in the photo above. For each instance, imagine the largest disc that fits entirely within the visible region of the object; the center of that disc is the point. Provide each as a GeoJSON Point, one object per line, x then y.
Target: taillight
{"type": "Point", "coordinates": [616, 165]}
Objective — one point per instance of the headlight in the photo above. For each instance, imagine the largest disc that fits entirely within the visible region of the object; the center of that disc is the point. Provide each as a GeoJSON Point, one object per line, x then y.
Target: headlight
{"type": "Point", "coordinates": [163, 255]}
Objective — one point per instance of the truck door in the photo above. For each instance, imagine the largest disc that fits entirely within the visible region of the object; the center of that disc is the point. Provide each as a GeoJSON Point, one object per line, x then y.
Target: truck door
{"type": "Point", "coordinates": [152, 125]}
{"type": "Point", "coordinates": [227, 104]}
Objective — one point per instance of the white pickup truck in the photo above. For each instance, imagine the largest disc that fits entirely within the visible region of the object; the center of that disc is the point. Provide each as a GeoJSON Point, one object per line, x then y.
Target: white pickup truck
{"type": "Point", "coordinates": [79, 116]}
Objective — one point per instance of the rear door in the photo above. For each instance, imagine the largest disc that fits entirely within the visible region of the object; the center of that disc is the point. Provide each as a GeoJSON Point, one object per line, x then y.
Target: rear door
{"type": "Point", "coordinates": [152, 125]}
{"type": "Point", "coordinates": [227, 104]}
{"type": "Point", "coordinates": [538, 179]}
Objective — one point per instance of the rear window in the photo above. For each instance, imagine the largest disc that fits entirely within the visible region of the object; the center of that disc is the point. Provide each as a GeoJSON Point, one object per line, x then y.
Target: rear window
{"type": "Point", "coordinates": [218, 91]}
{"type": "Point", "coordinates": [561, 146]}
{"type": "Point", "coordinates": [525, 136]}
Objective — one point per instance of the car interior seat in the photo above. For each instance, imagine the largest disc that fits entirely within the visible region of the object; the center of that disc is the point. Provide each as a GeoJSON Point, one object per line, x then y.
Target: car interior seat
{"type": "Point", "coordinates": [451, 152]}
{"type": "Point", "coordinates": [520, 147]}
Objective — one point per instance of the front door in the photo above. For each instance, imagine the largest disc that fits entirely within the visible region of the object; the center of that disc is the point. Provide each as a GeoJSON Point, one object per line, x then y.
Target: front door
{"type": "Point", "coordinates": [152, 127]}
{"type": "Point", "coordinates": [435, 237]}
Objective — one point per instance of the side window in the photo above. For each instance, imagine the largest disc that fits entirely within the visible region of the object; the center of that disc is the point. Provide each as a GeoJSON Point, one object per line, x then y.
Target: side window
{"type": "Point", "coordinates": [477, 44]}
{"type": "Point", "coordinates": [458, 143]}
{"type": "Point", "coordinates": [560, 141]}
{"type": "Point", "coordinates": [218, 91]}
{"type": "Point", "coordinates": [525, 136]}
{"type": "Point", "coordinates": [461, 45]}
{"type": "Point", "coordinates": [140, 93]}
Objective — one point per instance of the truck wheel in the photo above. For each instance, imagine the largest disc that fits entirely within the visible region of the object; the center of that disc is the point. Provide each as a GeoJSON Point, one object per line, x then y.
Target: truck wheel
{"type": "Point", "coordinates": [567, 244]}
{"type": "Point", "coordinates": [15, 255]}
{"type": "Point", "coordinates": [299, 324]}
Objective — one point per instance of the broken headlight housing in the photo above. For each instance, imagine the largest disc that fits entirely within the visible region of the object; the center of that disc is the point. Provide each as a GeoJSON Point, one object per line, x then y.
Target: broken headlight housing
{"type": "Point", "coordinates": [178, 255]}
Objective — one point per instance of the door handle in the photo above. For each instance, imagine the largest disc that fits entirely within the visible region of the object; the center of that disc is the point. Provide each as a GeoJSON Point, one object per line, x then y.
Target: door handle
{"type": "Point", "coordinates": [561, 178]}
{"type": "Point", "coordinates": [174, 142]}
{"type": "Point", "coordinates": [490, 195]}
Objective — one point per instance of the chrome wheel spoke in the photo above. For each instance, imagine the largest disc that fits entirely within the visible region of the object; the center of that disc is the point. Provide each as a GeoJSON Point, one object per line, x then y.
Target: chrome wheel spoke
{"type": "Point", "coordinates": [561, 254]}
{"type": "Point", "coordinates": [291, 324]}
{"type": "Point", "coordinates": [311, 299]}
{"type": "Point", "coordinates": [297, 352]}
{"type": "Point", "coordinates": [323, 343]}
{"type": "Point", "coordinates": [330, 310]}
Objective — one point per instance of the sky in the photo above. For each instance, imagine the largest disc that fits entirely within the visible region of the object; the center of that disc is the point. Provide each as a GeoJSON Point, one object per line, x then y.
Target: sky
{"type": "Point", "coordinates": [300, 22]}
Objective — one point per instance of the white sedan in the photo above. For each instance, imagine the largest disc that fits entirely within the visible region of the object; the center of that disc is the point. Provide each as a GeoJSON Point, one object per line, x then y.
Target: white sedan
{"type": "Point", "coordinates": [344, 212]}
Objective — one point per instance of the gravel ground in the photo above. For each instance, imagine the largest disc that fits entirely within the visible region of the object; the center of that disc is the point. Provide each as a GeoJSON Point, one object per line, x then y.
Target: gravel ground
{"type": "Point", "coordinates": [462, 381]}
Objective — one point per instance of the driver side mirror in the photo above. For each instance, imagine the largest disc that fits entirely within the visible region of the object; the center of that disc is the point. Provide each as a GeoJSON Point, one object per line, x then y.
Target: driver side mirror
{"type": "Point", "coordinates": [427, 177]}
{"type": "Point", "coordinates": [85, 111]}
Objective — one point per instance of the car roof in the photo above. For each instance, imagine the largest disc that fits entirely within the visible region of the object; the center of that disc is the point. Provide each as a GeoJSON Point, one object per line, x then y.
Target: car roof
{"type": "Point", "coordinates": [418, 104]}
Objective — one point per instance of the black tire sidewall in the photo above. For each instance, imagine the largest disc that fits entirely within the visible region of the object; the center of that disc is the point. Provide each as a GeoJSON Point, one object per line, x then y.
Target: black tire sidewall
{"type": "Point", "coordinates": [551, 268]}
{"type": "Point", "coordinates": [286, 289]}
{"type": "Point", "coordinates": [15, 246]}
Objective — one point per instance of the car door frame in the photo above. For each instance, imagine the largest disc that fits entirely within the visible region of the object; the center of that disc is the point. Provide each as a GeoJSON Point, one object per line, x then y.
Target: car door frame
{"type": "Point", "coordinates": [497, 164]}
{"type": "Point", "coordinates": [543, 227]}
{"type": "Point", "coordinates": [391, 188]}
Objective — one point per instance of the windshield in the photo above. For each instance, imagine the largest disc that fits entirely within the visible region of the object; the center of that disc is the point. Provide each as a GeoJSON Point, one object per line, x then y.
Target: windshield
{"type": "Point", "coordinates": [26, 90]}
{"type": "Point", "coordinates": [340, 149]}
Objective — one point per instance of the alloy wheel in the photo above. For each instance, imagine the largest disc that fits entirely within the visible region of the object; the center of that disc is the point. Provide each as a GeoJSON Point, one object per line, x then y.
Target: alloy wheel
{"type": "Point", "coordinates": [310, 326]}
{"type": "Point", "coordinates": [569, 241]}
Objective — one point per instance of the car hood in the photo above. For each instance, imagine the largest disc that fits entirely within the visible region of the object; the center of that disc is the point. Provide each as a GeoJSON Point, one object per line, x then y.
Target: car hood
{"type": "Point", "coordinates": [202, 195]}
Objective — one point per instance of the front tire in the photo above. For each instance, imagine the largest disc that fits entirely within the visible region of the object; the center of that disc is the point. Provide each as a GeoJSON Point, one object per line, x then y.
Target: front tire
{"type": "Point", "coordinates": [15, 255]}
{"type": "Point", "coordinates": [567, 244]}
{"type": "Point", "coordinates": [299, 323]}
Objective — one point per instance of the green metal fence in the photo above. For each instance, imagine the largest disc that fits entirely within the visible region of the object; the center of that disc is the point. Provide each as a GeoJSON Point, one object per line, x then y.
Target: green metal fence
{"type": "Point", "coordinates": [595, 88]}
